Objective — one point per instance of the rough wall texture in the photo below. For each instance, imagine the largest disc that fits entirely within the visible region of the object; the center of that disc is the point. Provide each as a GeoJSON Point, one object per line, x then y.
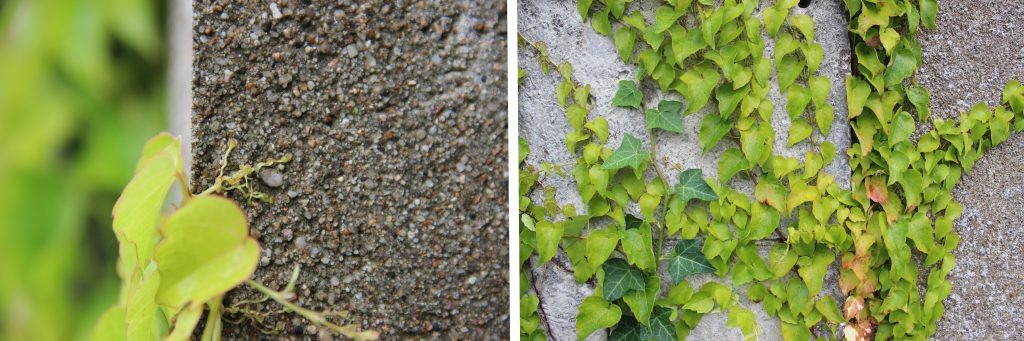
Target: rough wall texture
{"type": "Point", "coordinates": [395, 204]}
{"type": "Point", "coordinates": [975, 49]}
{"type": "Point", "coordinates": [596, 62]}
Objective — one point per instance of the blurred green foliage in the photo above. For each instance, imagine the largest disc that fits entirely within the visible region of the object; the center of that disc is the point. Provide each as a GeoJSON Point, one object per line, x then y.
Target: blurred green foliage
{"type": "Point", "coordinates": [81, 89]}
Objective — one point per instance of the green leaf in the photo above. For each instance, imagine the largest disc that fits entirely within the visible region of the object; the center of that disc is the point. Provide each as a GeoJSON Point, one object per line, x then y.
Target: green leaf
{"type": "Point", "coordinates": [770, 192]}
{"type": "Point", "coordinates": [577, 116]}
{"type": "Point", "coordinates": [918, 95]}
{"type": "Point", "coordinates": [628, 95]}
{"type": "Point", "coordinates": [889, 37]}
{"type": "Point", "coordinates": [763, 221]}
{"type": "Point", "coordinates": [819, 87]}
{"type": "Point", "coordinates": [665, 17]}
{"type": "Point", "coordinates": [919, 229]}
{"type": "Point", "coordinates": [686, 43]}
{"type": "Point", "coordinates": [743, 319]}
{"type": "Point", "coordinates": [828, 152]}
{"type": "Point", "coordinates": [649, 60]}
{"type": "Point", "coordinates": [600, 128]}
{"type": "Point", "coordinates": [700, 83]}
{"type": "Point", "coordinates": [798, 131]}
{"type": "Point", "coordinates": [620, 278]}
{"type": "Point", "coordinates": [548, 236]}
{"type": "Point", "coordinates": [712, 129]}
{"type": "Point", "coordinates": [662, 328]}
{"type": "Point", "coordinates": [111, 325]}
{"type": "Point", "coordinates": [911, 181]}
{"type": "Point", "coordinates": [805, 24]}
{"type": "Point", "coordinates": [902, 66]}
{"type": "Point", "coordinates": [625, 39]}
{"type": "Point", "coordinates": [793, 332]}
{"type": "Point", "coordinates": [141, 309]}
{"type": "Point", "coordinates": [637, 244]}
{"type": "Point", "coordinates": [757, 143]}
{"type": "Point", "coordinates": [600, 245]}
{"type": "Point", "coordinates": [797, 99]}
{"type": "Point", "coordinates": [563, 91]}
{"type": "Point", "coordinates": [785, 45]}
{"type": "Point", "coordinates": [629, 330]}
{"type": "Point", "coordinates": [138, 209]}
{"type": "Point", "coordinates": [797, 295]}
{"type": "Point", "coordinates": [902, 127]}
{"type": "Point", "coordinates": [692, 186]}
{"type": "Point", "coordinates": [688, 259]}
{"type": "Point", "coordinates": [762, 70]}
{"type": "Point", "coordinates": [857, 92]}
{"type": "Point", "coordinates": [524, 149]}
{"type": "Point", "coordinates": [773, 19]}
{"type": "Point", "coordinates": [665, 75]}
{"type": "Point", "coordinates": [156, 145]}
{"type": "Point", "coordinates": [595, 313]}
{"type": "Point", "coordinates": [781, 259]}
{"type": "Point", "coordinates": [814, 54]}
{"type": "Point", "coordinates": [205, 252]}
{"type": "Point", "coordinates": [584, 7]}
{"type": "Point", "coordinates": [729, 98]}
{"type": "Point", "coordinates": [1013, 95]}
{"type": "Point", "coordinates": [641, 303]}
{"type": "Point", "coordinates": [601, 23]}
{"type": "Point", "coordinates": [829, 309]}
{"type": "Point", "coordinates": [789, 70]}
{"type": "Point", "coordinates": [824, 116]}
{"type": "Point", "coordinates": [812, 270]}
{"type": "Point", "coordinates": [629, 154]}
{"type": "Point", "coordinates": [731, 162]}
{"type": "Point", "coordinates": [929, 9]}
{"type": "Point", "coordinates": [185, 323]}
{"type": "Point", "coordinates": [666, 117]}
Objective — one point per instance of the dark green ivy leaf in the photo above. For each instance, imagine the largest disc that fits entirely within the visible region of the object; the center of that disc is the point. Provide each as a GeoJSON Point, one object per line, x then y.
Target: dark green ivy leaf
{"type": "Point", "coordinates": [630, 153]}
{"type": "Point", "coordinates": [688, 259]}
{"type": "Point", "coordinates": [666, 117]}
{"type": "Point", "coordinates": [629, 329]}
{"type": "Point", "coordinates": [628, 95]}
{"type": "Point", "coordinates": [620, 278]}
{"type": "Point", "coordinates": [692, 186]}
{"type": "Point", "coordinates": [662, 328]}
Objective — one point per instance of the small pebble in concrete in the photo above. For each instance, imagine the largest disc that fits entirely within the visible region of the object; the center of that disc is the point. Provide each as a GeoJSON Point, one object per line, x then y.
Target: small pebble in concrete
{"type": "Point", "coordinates": [272, 177]}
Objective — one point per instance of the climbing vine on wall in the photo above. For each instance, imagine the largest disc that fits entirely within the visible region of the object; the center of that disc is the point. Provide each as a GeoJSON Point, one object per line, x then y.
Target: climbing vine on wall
{"type": "Point", "coordinates": [714, 54]}
{"type": "Point", "coordinates": [176, 267]}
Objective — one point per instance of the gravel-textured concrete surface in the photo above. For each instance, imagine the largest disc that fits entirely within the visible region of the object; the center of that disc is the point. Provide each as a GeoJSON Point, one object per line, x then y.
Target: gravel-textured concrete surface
{"type": "Point", "coordinates": [596, 63]}
{"type": "Point", "coordinates": [395, 202]}
{"type": "Point", "coordinates": [974, 51]}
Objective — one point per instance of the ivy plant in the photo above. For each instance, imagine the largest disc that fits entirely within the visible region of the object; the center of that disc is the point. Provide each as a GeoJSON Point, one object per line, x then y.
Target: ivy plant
{"type": "Point", "coordinates": [176, 266]}
{"type": "Point", "coordinates": [889, 230]}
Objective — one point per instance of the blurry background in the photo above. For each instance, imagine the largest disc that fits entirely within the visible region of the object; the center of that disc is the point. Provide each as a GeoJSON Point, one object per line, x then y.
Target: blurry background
{"type": "Point", "coordinates": [83, 83]}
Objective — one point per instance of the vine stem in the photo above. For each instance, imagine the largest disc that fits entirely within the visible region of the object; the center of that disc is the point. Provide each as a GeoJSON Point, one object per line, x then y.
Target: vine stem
{"type": "Point", "coordinates": [540, 302]}
{"type": "Point", "coordinates": [351, 330]}
{"type": "Point", "coordinates": [664, 180]}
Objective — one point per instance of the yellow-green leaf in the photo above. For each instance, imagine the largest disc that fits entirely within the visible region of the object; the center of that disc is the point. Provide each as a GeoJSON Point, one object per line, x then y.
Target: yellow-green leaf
{"type": "Point", "coordinates": [205, 252]}
{"type": "Point", "coordinates": [595, 313]}
{"type": "Point", "coordinates": [798, 131]}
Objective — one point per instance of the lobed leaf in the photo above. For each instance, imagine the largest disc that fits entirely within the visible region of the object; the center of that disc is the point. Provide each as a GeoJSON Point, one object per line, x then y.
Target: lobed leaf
{"type": "Point", "coordinates": [205, 252]}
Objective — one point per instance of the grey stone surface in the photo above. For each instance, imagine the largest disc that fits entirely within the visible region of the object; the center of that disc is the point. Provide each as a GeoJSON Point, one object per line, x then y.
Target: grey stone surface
{"type": "Point", "coordinates": [394, 203]}
{"type": "Point", "coordinates": [596, 62]}
{"type": "Point", "coordinates": [976, 48]}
